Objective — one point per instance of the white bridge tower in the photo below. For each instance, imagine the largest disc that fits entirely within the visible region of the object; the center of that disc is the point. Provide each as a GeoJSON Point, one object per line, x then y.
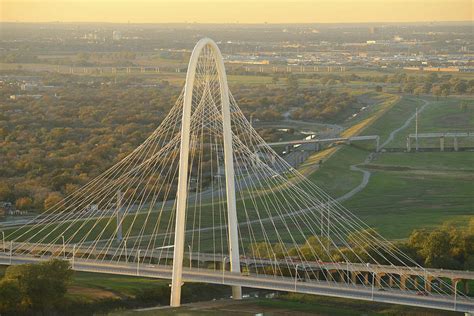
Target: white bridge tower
{"type": "Point", "coordinates": [182, 193]}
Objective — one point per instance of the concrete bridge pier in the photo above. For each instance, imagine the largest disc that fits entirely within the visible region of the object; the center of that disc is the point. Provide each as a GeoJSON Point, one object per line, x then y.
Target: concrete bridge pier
{"type": "Point", "coordinates": [456, 145]}
{"type": "Point", "coordinates": [428, 281]}
{"type": "Point", "coordinates": [441, 143]}
{"type": "Point", "coordinates": [390, 281]}
{"type": "Point", "coordinates": [403, 281]}
{"type": "Point", "coordinates": [354, 275]}
{"type": "Point", "coordinates": [366, 278]}
{"type": "Point", "coordinates": [408, 144]}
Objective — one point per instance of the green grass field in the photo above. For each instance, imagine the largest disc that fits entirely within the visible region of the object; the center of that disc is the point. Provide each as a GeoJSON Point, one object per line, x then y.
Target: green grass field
{"type": "Point", "coordinates": [445, 115]}
{"type": "Point", "coordinates": [407, 190]}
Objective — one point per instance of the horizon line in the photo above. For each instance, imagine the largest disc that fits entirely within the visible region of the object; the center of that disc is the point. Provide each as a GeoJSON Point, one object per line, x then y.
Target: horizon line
{"type": "Point", "coordinates": [246, 23]}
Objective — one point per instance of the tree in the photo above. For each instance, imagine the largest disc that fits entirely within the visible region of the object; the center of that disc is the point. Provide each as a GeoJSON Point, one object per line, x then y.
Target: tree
{"type": "Point", "coordinates": [275, 79]}
{"type": "Point", "coordinates": [445, 89]}
{"type": "Point", "coordinates": [436, 250]}
{"type": "Point", "coordinates": [417, 238]}
{"type": "Point", "coordinates": [6, 193]}
{"type": "Point", "coordinates": [427, 87]}
{"type": "Point", "coordinates": [52, 199]}
{"type": "Point", "coordinates": [460, 87]}
{"type": "Point", "coordinates": [409, 87]}
{"type": "Point", "coordinates": [437, 91]}
{"type": "Point", "coordinates": [24, 203]}
{"type": "Point", "coordinates": [418, 91]}
{"type": "Point", "coordinates": [10, 300]}
{"type": "Point", "coordinates": [292, 83]}
{"type": "Point", "coordinates": [41, 286]}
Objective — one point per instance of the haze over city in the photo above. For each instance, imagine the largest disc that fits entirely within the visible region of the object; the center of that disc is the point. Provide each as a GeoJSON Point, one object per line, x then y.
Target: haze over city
{"type": "Point", "coordinates": [236, 11]}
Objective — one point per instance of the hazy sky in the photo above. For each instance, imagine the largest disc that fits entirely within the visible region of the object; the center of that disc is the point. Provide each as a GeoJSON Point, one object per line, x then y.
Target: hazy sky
{"type": "Point", "coordinates": [231, 11]}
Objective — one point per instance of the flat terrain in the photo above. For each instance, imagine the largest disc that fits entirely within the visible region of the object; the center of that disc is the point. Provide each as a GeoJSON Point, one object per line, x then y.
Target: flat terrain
{"type": "Point", "coordinates": [287, 305]}
{"type": "Point", "coordinates": [407, 190]}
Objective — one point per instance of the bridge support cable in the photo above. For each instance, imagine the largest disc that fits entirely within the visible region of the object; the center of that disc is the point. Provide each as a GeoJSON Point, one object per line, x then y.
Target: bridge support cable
{"type": "Point", "coordinates": [205, 194]}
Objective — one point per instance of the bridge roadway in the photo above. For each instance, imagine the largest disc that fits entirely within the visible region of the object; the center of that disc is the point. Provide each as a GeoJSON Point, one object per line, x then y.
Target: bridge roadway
{"type": "Point", "coordinates": [327, 140]}
{"type": "Point", "coordinates": [286, 284]}
{"type": "Point", "coordinates": [68, 249]}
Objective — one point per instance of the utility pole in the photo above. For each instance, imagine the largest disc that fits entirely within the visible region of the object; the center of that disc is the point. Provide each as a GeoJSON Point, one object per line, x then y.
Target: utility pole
{"type": "Point", "coordinates": [416, 129]}
{"type": "Point", "coordinates": [119, 216]}
{"type": "Point", "coordinates": [73, 253]}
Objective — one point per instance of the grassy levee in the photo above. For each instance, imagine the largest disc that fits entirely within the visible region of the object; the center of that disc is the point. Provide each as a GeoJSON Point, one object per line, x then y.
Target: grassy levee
{"type": "Point", "coordinates": [333, 175]}
{"type": "Point", "coordinates": [398, 200]}
{"type": "Point", "coordinates": [327, 181]}
{"type": "Point", "coordinates": [406, 190]}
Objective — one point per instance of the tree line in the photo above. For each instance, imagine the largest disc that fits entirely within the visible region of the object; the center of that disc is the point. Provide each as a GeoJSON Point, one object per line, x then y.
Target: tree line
{"type": "Point", "coordinates": [448, 246]}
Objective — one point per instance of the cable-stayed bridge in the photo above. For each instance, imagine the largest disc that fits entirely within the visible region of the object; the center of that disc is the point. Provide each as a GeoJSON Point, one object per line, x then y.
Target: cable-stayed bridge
{"type": "Point", "coordinates": [205, 199]}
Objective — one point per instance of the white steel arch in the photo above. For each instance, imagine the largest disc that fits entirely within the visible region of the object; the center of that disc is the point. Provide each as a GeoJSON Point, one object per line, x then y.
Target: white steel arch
{"type": "Point", "coordinates": [182, 192]}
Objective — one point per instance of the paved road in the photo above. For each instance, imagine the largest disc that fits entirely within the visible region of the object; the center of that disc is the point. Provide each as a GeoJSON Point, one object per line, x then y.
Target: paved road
{"type": "Point", "coordinates": [272, 283]}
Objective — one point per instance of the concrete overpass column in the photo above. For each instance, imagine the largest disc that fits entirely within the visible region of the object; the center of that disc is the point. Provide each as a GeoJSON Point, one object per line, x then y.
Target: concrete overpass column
{"type": "Point", "coordinates": [466, 286]}
{"type": "Point", "coordinates": [403, 281]}
{"type": "Point", "coordinates": [330, 277]}
{"type": "Point", "coordinates": [354, 275]}
{"type": "Point", "coordinates": [378, 279]}
{"type": "Point", "coordinates": [456, 146]}
{"type": "Point", "coordinates": [428, 284]}
{"type": "Point", "coordinates": [366, 278]}
{"type": "Point", "coordinates": [408, 144]}
{"type": "Point", "coordinates": [342, 277]}
{"type": "Point", "coordinates": [416, 282]}
{"type": "Point", "coordinates": [390, 281]}
{"type": "Point", "coordinates": [441, 143]}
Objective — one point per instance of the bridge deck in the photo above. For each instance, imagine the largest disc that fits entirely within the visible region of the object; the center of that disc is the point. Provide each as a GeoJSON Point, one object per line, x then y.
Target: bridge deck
{"type": "Point", "coordinates": [268, 282]}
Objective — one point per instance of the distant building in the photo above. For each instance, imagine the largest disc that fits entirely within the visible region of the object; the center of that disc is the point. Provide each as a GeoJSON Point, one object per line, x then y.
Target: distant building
{"type": "Point", "coordinates": [116, 36]}
{"type": "Point", "coordinates": [28, 86]}
{"type": "Point", "coordinates": [25, 96]}
{"type": "Point", "coordinates": [397, 38]}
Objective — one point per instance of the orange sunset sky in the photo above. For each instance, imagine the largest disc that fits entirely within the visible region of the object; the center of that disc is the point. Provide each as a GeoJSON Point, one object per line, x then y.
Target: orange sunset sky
{"type": "Point", "coordinates": [235, 11]}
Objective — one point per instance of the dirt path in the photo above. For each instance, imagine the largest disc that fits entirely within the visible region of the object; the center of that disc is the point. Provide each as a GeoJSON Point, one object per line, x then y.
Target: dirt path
{"type": "Point", "coordinates": [365, 173]}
